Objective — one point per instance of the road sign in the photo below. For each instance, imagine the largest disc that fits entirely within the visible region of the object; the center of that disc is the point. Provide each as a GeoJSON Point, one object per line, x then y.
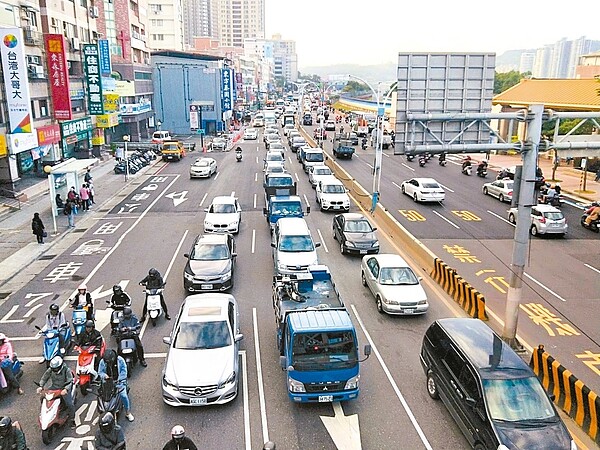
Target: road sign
{"type": "Point", "coordinates": [201, 131]}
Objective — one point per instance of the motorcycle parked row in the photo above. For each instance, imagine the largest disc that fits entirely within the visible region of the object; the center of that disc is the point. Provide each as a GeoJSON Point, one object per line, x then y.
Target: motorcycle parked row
{"type": "Point", "coordinates": [136, 161]}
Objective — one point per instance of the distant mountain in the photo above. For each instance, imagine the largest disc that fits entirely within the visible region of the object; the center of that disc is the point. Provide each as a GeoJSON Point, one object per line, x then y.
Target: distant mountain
{"type": "Point", "coordinates": [372, 73]}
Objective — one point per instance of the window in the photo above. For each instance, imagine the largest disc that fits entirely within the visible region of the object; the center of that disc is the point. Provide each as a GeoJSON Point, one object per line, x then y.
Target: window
{"type": "Point", "coordinates": [33, 110]}
{"type": "Point", "coordinates": [158, 37]}
{"type": "Point", "coordinates": [453, 363]}
{"type": "Point", "coordinates": [157, 22]}
{"type": "Point", "coordinates": [44, 108]}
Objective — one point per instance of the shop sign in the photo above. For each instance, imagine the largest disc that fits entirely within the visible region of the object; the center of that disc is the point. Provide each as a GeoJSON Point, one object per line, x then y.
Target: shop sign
{"type": "Point", "coordinates": [98, 137]}
{"type": "Point", "coordinates": [3, 148]}
{"type": "Point", "coordinates": [194, 117]}
{"type": "Point", "coordinates": [107, 120]}
{"type": "Point", "coordinates": [93, 80]}
{"type": "Point", "coordinates": [104, 49]}
{"type": "Point", "coordinates": [76, 126]}
{"type": "Point", "coordinates": [48, 135]}
{"type": "Point", "coordinates": [19, 142]}
{"type": "Point", "coordinates": [226, 84]}
{"type": "Point", "coordinates": [58, 73]}
{"type": "Point", "coordinates": [16, 83]}
{"type": "Point", "coordinates": [111, 103]}
{"type": "Point", "coordinates": [76, 94]}
{"type": "Point", "coordinates": [125, 88]}
{"type": "Point", "coordinates": [135, 108]}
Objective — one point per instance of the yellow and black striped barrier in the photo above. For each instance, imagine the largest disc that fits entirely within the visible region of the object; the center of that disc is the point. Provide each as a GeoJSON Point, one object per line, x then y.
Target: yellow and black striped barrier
{"type": "Point", "coordinates": [570, 394]}
{"type": "Point", "coordinates": [469, 298]}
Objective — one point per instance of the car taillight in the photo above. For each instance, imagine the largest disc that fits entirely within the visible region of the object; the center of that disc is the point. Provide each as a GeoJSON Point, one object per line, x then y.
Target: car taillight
{"type": "Point", "coordinates": [510, 193]}
{"type": "Point", "coordinates": [542, 220]}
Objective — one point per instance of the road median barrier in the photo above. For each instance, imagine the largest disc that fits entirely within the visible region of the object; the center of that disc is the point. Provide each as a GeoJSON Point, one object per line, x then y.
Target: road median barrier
{"type": "Point", "coordinates": [570, 394]}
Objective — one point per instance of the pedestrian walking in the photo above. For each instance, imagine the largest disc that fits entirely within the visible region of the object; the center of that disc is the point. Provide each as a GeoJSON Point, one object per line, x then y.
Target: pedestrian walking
{"type": "Point", "coordinates": [91, 193]}
{"type": "Point", "coordinates": [69, 211]}
{"type": "Point", "coordinates": [88, 176]}
{"type": "Point", "coordinates": [597, 179]}
{"type": "Point", "coordinates": [38, 228]}
{"type": "Point", "coordinates": [84, 195]}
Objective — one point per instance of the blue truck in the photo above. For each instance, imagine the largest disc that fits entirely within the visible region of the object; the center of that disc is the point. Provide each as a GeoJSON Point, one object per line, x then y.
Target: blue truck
{"type": "Point", "coordinates": [281, 199]}
{"type": "Point", "coordinates": [317, 341]}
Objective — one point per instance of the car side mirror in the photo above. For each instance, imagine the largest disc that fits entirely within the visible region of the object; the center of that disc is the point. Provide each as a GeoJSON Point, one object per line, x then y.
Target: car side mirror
{"type": "Point", "coordinates": [206, 209]}
{"type": "Point", "coordinates": [282, 362]}
{"type": "Point", "coordinates": [375, 229]}
{"type": "Point", "coordinates": [187, 255]}
{"type": "Point", "coordinates": [273, 244]}
{"type": "Point", "coordinates": [308, 209]}
{"type": "Point", "coordinates": [233, 255]}
{"type": "Point", "coordinates": [318, 244]}
{"type": "Point", "coordinates": [420, 278]}
{"type": "Point", "coordinates": [264, 211]}
{"type": "Point", "coordinates": [367, 349]}
{"type": "Point", "coordinates": [167, 340]}
{"type": "Point", "coordinates": [238, 337]}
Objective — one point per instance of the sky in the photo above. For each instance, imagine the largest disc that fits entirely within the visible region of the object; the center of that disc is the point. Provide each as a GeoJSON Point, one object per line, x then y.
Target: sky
{"type": "Point", "coordinates": [374, 31]}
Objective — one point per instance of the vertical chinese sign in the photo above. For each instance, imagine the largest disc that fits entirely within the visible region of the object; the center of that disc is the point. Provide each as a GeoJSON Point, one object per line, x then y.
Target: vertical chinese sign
{"type": "Point", "coordinates": [15, 80]}
{"type": "Point", "coordinates": [226, 85]}
{"type": "Point", "coordinates": [59, 76]}
{"type": "Point", "coordinates": [105, 66]}
{"type": "Point", "coordinates": [93, 79]}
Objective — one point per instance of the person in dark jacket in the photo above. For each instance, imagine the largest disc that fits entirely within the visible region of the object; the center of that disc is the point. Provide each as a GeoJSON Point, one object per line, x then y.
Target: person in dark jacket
{"type": "Point", "coordinates": [154, 280]}
{"type": "Point", "coordinates": [11, 436]}
{"type": "Point", "coordinates": [90, 336]}
{"type": "Point", "coordinates": [59, 377]}
{"type": "Point", "coordinates": [110, 435]}
{"type": "Point", "coordinates": [38, 227]}
{"type": "Point", "coordinates": [84, 298]}
{"type": "Point", "coordinates": [179, 441]}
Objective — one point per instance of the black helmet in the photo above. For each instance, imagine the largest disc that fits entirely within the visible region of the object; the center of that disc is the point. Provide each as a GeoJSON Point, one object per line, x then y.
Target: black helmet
{"type": "Point", "coordinates": [5, 426]}
{"type": "Point", "coordinates": [110, 356]}
{"type": "Point", "coordinates": [89, 323]}
{"type": "Point", "coordinates": [107, 423]}
{"type": "Point", "coordinates": [127, 312]}
{"type": "Point", "coordinates": [153, 272]}
{"type": "Point", "coordinates": [117, 289]}
{"type": "Point", "coordinates": [54, 309]}
{"type": "Point", "coordinates": [177, 432]}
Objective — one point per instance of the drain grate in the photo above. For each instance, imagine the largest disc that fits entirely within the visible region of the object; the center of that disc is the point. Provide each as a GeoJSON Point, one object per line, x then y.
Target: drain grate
{"type": "Point", "coordinates": [104, 210]}
{"type": "Point", "coordinates": [3, 295]}
{"type": "Point", "coordinates": [46, 257]}
{"type": "Point", "coordinates": [80, 230]}
{"type": "Point", "coordinates": [76, 278]}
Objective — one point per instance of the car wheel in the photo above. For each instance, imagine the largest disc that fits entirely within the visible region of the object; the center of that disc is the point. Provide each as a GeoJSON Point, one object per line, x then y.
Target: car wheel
{"type": "Point", "coordinates": [342, 251]}
{"type": "Point", "coordinates": [533, 230]}
{"type": "Point", "coordinates": [379, 304]}
{"type": "Point", "coordinates": [511, 218]}
{"type": "Point", "coordinates": [432, 386]}
{"type": "Point", "coordinates": [501, 198]}
{"type": "Point", "coordinates": [403, 190]}
{"type": "Point", "coordinates": [415, 197]}
{"type": "Point", "coordinates": [362, 278]}
{"type": "Point", "coordinates": [479, 446]}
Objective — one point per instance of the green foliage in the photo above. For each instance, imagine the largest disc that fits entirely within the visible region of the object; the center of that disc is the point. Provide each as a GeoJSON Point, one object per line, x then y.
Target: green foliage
{"type": "Point", "coordinates": [353, 87]}
{"type": "Point", "coordinates": [567, 125]}
{"type": "Point", "coordinates": [504, 81]}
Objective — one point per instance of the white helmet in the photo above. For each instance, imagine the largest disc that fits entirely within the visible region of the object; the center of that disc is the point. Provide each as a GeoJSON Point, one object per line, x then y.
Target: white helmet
{"type": "Point", "coordinates": [82, 286]}
{"type": "Point", "coordinates": [56, 362]}
{"type": "Point", "coordinates": [177, 432]}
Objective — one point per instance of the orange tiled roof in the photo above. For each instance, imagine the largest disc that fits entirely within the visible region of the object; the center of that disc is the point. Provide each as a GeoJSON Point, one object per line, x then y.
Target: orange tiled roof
{"type": "Point", "coordinates": [570, 95]}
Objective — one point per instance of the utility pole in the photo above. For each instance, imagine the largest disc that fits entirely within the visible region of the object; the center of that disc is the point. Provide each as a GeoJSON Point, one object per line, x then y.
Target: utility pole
{"type": "Point", "coordinates": [521, 242]}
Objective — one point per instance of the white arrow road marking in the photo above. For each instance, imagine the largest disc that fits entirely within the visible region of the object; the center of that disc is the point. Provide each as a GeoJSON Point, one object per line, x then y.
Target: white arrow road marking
{"type": "Point", "coordinates": [76, 443]}
{"type": "Point", "coordinates": [177, 197]}
{"type": "Point", "coordinates": [344, 430]}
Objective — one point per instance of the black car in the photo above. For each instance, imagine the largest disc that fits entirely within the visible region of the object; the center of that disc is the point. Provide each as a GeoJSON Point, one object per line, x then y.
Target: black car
{"type": "Point", "coordinates": [210, 264]}
{"type": "Point", "coordinates": [307, 119]}
{"type": "Point", "coordinates": [355, 234]}
{"type": "Point", "coordinates": [296, 143]}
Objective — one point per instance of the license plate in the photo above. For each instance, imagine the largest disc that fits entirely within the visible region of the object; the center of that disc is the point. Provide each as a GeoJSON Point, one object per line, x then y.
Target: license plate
{"type": "Point", "coordinates": [325, 398]}
{"type": "Point", "coordinates": [409, 311]}
{"type": "Point", "coordinates": [198, 401]}
{"type": "Point", "coordinates": [363, 252]}
{"type": "Point", "coordinates": [206, 286]}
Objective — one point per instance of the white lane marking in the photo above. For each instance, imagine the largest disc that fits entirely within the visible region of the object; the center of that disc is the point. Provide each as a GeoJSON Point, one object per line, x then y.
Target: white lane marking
{"type": "Point", "coordinates": [203, 198]}
{"type": "Point", "coordinates": [256, 176]}
{"type": "Point", "coordinates": [592, 268]}
{"type": "Point", "coordinates": [217, 175]}
{"type": "Point", "coordinates": [306, 200]}
{"type": "Point", "coordinates": [254, 201]}
{"type": "Point", "coordinates": [296, 175]}
{"type": "Point", "coordinates": [385, 154]}
{"type": "Point", "coordinates": [257, 160]}
{"type": "Point", "coordinates": [446, 187]}
{"type": "Point", "coordinates": [447, 220]}
{"type": "Point", "coordinates": [544, 287]}
{"type": "Point", "coordinates": [392, 382]}
{"type": "Point", "coordinates": [357, 155]}
{"type": "Point", "coordinates": [169, 267]}
{"type": "Point", "coordinates": [501, 218]}
{"type": "Point", "coordinates": [261, 387]}
{"type": "Point", "coordinates": [323, 241]}
{"type": "Point", "coordinates": [253, 240]}
{"type": "Point", "coordinates": [397, 185]}
{"type": "Point", "coordinates": [369, 165]}
{"type": "Point", "coordinates": [290, 158]}
{"type": "Point", "coordinates": [408, 167]}
{"type": "Point", "coordinates": [233, 193]}
{"type": "Point", "coordinates": [247, 438]}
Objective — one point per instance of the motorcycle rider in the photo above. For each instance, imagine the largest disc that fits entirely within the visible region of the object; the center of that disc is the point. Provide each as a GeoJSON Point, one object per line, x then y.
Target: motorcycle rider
{"type": "Point", "coordinates": [118, 301]}
{"type": "Point", "coordinates": [56, 320]}
{"type": "Point", "coordinates": [109, 435]}
{"type": "Point", "coordinates": [7, 356]}
{"type": "Point", "coordinates": [131, 321]}
{"type": "Point", "coordinates": [84, 298]}
{"type": "Point", "coordinates": [482, 167]}
{"type": "Point", "coordinates": [466, 163]}
{"type": "Point", "coordinates": [61, 379]}
{"type": "Point", "coordinates": [11, 435]}
{"type": "Point", "coordinates": [593, 213]}
{"type": "Point", "coordinates": [114, 366]}
{"type": "Point", "coordinates": [549, 195]}
{"type": "Point", "coordinates": [90, 336]}
{"type": "Point", "coordinates": [179, 441]}
{"type": "Point", "coordinates": [442, 158]}
{"type": "Point", "coordinates": [364, 143]}
{"type": "Point", "coordinates": [154, 281]}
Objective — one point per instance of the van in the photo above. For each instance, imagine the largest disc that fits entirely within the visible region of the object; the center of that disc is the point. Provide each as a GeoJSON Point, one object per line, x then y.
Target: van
{"type": "Point", "coordinates": [158, 137]}
{"type": "Point", "coordinates": [494, 397]}
{"type": "Point", "coordinates": [293, 247]}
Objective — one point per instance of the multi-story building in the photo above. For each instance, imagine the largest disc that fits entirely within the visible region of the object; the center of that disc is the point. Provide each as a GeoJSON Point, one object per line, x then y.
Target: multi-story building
{"type": "Point", "coordinates": [526, 62]}
{"type": "Point", "coordinates": [237, 20]}
{"type": "Point", "coordinates": [559, 60]}
{"type": "Point", "coordinates": [285, 59]}
{"type": "Point", "coordinates": [165, 25]}
{"type": "Point", "coordinates": [589, 66]}
{"type": "Point", "coordinates": [197, 20]}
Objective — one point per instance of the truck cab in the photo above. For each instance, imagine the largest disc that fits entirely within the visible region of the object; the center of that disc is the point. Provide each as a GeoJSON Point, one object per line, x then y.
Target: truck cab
{"type": "Point", "coordinates": [172, 151]}
{"type": "Point", "coordinates": [283, 206]}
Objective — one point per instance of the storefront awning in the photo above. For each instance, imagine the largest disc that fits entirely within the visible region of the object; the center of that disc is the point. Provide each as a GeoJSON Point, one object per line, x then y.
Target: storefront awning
{"type": "Point", "coordinates": [73, 165]}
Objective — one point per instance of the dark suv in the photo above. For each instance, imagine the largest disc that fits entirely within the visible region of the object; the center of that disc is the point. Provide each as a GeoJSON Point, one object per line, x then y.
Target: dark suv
{"type": "Point", "coordinates": [210, 264]}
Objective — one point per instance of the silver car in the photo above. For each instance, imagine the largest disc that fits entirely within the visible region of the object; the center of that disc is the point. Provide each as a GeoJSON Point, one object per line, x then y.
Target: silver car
{"type": "Point", "coordinates": [202, 365]}
{"type": "Point", "coordinates": [396, 288]}
{"type": "Point", "coordinates": [545, 219]}
{"type": "Point", "coordinates": [501, 189]}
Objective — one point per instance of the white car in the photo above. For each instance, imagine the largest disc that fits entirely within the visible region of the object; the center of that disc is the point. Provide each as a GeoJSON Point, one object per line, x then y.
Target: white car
{"type": "Point", "coordinates": [396, 288]}
{"type": "Point", "coordinates": [501, 189]}
{"type": "Point", "coordinates": [250, 134]}
{"type": "Point", "coordinates": [287, 128]}
{"type": "Point", "coordinates": [270, 130]}
{"type": "Point", "coordinates": [274, 167]}
{"type": "Point", "coordinates": [202, 365]}
{"type": "Point", "coordinates": [423, 190]}
{"type": "Point", "coordinates": [317, 173]}
{"type": "Point", "coordinates": [332, 195]}
{"type": "Point", "coordinates": [273, 156]}
{"type": "Point", "coordinates": [545, 219]}
{"type": "Point", "coordinates": [203, 168]}
{"type": "Point", "coordinates": [223, 215]}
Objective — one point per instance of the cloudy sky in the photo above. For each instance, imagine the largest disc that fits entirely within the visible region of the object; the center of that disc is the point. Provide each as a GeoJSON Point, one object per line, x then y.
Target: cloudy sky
{"type": "Point", "coordinates": [374, 31]}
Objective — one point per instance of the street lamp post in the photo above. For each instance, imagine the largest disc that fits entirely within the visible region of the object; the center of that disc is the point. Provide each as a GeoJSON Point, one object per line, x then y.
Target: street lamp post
{"type": "Point", "coordinates": [126, 140]}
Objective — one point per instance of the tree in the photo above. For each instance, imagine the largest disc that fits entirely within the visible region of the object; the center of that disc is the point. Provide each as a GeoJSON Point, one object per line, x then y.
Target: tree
{"type": "Point", "coordinates": [506, 80]}
{"type": "Point", "coordinates": [354, 87]}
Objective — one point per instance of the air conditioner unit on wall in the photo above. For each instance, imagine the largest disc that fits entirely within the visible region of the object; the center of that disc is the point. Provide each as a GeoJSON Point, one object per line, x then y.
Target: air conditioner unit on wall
{"type": "Point", "coordinates": [54, 22]}
{"type": "Point", "coordinates": [32, 59]}
{"type": "Point", "coordinates": [75, 44]}
{"type": "Point", "coordinates": [94, 12]}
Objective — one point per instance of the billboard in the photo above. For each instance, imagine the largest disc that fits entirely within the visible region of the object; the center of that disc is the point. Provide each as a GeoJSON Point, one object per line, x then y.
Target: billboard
{"type": "Point", "coordinates": [93, 80]}
{"type": "Point", "coordinates": [58, 73]}
{"type": "Point", "coordinates": [104, 49]}
{"type": "Point", "coordinates": [15, 80]}
{"type": "Point", "coordinates": [226, 85]}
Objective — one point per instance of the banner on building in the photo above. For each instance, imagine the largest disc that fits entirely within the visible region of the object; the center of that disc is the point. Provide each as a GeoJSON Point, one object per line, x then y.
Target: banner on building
{"type": "Point", "coordinates": [15, 80]}
{"type": "Point", "coordinates": [58, 73]}
{"type": "Point", "coordinates": [194, 117]}
{"type": "Point", "coordinates": [49, 134]}
{"type": "Point", "coordinates": [226, 85]}
{"type": "Point", "coordinates": [20, 142]}
{"type": "Point", "coordinates": [111, 102]}
{"type": "Point", "coordinates": [104, 49]}
{"type": "Point", "coordinates": [93, 80]}
{"type": "Point", "coordinates": [107, 120]}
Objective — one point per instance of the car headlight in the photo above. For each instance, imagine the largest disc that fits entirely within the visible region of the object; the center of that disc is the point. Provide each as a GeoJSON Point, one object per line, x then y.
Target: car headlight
{"type": "Point", "coordinates": [226, 276]}
{"type": "Point", "coordinates": [350, 244]}
{"type": "Point", "coordinates": [207, 223]}
{"type": "Point", "coordinates": [375, 244]}
{"type": "Point", "coordinates": [352, 383]}
{"type": "Point", "coordinates": [169, 384]}
{"type": "Point", "coordinates": [233, 224]}
{"type": "Point", "coordinates": [230, 379]}
{"type": "Point", "coordinates": [295, 385]}
{"type": "Point", "coordinates": [422, 302]}
{"type": "Point", "coordinates": [281, 266]}
{"type": "Point", "coordinates": [188, 276]}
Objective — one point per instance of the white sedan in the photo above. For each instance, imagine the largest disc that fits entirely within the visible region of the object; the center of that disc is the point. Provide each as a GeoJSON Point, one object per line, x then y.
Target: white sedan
{"type": "Point", "coordinates": [250, 134]}
{"type": "Point", "coordinates": [423, 190]}
{"type": "Point", "coordinates": [223, 216]}
{"type": "Point", "coordinates": [317, 173]}
{"type": "Point", "coordinates": [203, 168]}
{"type": "Point", "coordinates": [501, 189]}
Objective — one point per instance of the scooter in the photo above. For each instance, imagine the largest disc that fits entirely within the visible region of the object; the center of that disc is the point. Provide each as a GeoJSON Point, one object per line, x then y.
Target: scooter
{"type": "Point", "coordinates": [594, 225]}
{"type": "Point", "coordinates": [238, 156]}
{"type": "Point", "coordinates": [86, 365]}
{"type": "Point", "coordinates": [422, 161]}
{"type": "Point", "coordinates": [15, 365]}
{"type": "Point", "coordinates": [442, 160]}
{"type": "Point", "coordinates": [467, 170]}
{"type": "Point", "coordinates": [78, 319]}
{"type": "Point", "coordinates": [51, 346]}
{"type": "Point", "coordinates": [126, 347]}
{"type": "Point", "coordinates": [410, 157]}
{"type": "Point", "coordinates": [109, 399]}
{"type": "Point", "coordinates": [53, 413]}
{"type": "Point", "coordinates": [153, 305]}
{"type": "Point", "coordinates": [116, 316]}
{"type": "Point", "coordinates": [482, 173]}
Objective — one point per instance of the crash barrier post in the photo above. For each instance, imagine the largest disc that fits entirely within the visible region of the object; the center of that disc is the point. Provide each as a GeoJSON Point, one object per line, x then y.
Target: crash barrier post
{"type": "Point", "coordinates": [570, 394]}
{"type": "Point", "coordinates": [469, 298]}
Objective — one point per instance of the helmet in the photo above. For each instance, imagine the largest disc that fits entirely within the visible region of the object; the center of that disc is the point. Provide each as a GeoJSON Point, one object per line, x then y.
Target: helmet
{"type": "Point", "coordinates": [177, 432]}
{"type": "Point", "coordinates": [5, 425]}
{"type": "Point", "coordinates": [54, 309]}
{"type": "Point", "coordinates": [89, 323]}
{"type": "Point", "coordinates": [153, 272]}
{"type": "Point", "coordinates": [110, 356]}
{"type": "Point", "coordinates": [82, 287]}
{"type": "Point", "coordinates": [2, 338]}
{"type": "Point", "coordinates": [117, 289]}
{"type": "Point", "coordinates": [107, 423]}
{"type": "Point", "coordinates": [595, 203]}
{"type": "Point", "coordinates": [56, 363]}
{"type": "Point", "coordinates": [127, 312]}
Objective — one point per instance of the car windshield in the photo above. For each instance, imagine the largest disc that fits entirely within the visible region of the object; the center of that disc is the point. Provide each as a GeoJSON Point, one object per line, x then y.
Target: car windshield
{"type": "Point", "coordinates": [334, 189]}
{"type": "Point", "coordinates": [298, 140]}
{"type": "Point", "coordinates": [202, 163]}
{"type": "Point", "coordinates": [209, 252]}
{"type": "Point", "coordinates": [274, 157]}
{"type": "Point", "coordinates": [286, 208]}
{"type": "Point", "coordinates": [509, 185]}
{"type": "Point", "coordinates": [222, 208]}
{"type": "Point", "coordinates": [202, 335]}
{"type": "Point", "coordinates": [218, 141]}
{"type": "Point", "coordinates": [323, 171]}
{"type": "Point", "coordinates": [296, 244]}
{"type": "Point", "coordinates": [314, 157]}
{"type": "Point", "coordinates": [324, 351]}
{"type": "Point", "coordinates": [517, 399]}
{"type": "Point", "coordinates": [276, 145]}
{"type": "Point", "coordinates": [554, 216]}
{"type": "Point", "coordinates": [280, 181]}
{"type": "Point", "coordinates": [430, 185]}
{"type": "Point", "coordinates": [397, 276]}
{"type": "Point", "coordinates": [357, 226]}
{"type": "Point", "coordinates": [274, 168]}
